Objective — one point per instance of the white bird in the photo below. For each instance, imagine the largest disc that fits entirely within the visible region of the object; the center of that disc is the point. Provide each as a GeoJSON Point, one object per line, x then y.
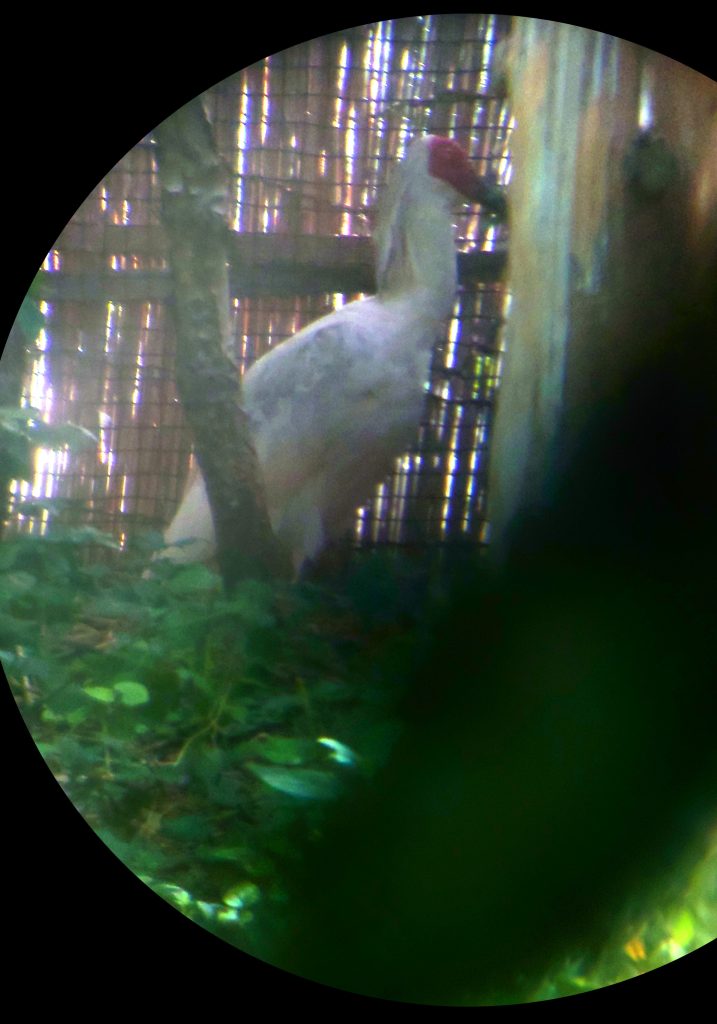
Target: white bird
{"type": "Point", "coordinates": [332, 408]}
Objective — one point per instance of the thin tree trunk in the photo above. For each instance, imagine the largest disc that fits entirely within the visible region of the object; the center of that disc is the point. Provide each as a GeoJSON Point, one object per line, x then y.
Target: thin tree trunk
{"type": "Point", "coordinates": [194, 198]}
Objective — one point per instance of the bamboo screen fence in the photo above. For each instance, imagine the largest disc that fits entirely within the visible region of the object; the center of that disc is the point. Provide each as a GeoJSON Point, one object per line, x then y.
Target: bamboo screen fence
{"type": "Point", "coordinates": [310, 135]}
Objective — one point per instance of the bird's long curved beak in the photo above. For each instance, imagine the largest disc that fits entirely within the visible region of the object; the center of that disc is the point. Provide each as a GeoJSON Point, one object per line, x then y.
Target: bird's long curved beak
{"type": "Point", "coordinates": [491, 197]}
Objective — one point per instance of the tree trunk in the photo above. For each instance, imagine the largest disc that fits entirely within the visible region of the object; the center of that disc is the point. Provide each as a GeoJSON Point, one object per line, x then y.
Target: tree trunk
{"type": "Point", "coordinates": [194, 200]}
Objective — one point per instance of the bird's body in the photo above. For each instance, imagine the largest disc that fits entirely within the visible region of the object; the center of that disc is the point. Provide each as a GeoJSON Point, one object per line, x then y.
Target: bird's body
{"type": "Point", "coordinates": [332, 407]}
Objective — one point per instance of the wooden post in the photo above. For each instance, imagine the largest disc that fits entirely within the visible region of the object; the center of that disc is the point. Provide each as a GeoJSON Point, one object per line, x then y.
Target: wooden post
{"type": "Point", "coordinates": [613, 235]}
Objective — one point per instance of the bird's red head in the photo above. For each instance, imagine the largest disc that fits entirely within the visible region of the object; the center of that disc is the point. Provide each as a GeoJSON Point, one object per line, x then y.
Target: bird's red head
{"type": "Point", "coordinates": [448, 162]}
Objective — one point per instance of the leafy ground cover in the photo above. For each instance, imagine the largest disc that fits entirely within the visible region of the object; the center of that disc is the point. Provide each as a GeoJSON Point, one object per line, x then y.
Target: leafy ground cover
{"type": "Point", "coordinates": [206, 738]}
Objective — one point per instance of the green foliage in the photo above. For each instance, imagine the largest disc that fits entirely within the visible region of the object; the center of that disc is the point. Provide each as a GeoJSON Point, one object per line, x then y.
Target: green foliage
{"type": "Point", "coordinates": [199, 734]}
{"type": "Point", "coordinates": [688, 923]}
{"type": "Point", "coordinates": [44, 435]}
{"type": "Point", "coordinates": [305, 783]}
{"type": "Point", "coordinates": [23, 430]}
{"type": "Point", "coordinates": [206, 737]}
{"type": "Point", "coordinates": [29, 318]}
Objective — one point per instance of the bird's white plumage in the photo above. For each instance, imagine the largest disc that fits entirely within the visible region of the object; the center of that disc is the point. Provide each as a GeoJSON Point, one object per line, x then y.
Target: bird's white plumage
{"type": "Point", "coordinates": [332, 407]}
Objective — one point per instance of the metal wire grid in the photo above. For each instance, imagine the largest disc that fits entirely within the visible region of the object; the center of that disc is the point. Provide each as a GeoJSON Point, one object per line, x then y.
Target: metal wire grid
{"type": "Point", "coordinates": [309, 137]}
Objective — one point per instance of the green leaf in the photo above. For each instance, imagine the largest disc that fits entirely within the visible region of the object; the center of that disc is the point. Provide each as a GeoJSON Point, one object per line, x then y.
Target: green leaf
{"type": "Point", "coordinates": [302, 783]}
{"type": "Point", "coordinates": [148, 542]}
{"type": "Point", "coordinates": [228, 916]}
{"type": "Point", "coordinates": [11, 660]}
{"type": "Point", "coordinates": [117, 608]}
{"type": "Point", "coordinates": [77, 716]}
{"type": "Point", "coordinates": [19, 582]}
{"type": "Point", "coordinates": [29, 319]}
{"type": "Point", "coordinates": [62, 435]}
{"type": "Point", "coordinates": [192, 579]}
{"type": "Point", "coordinates": [68, 699]}
{"type": "Point", "coordinates": [245, 894]}
{"type": "Point", "coordinates": [193, 827]}
{"type": "Point", "coordinates": [15, 455]}
{"type": "Point", "coordinates": [208, 909]}
{"type": "Point", "coordinates": [19, 418]}
{"type": "Point", "coordinates": [103, 694]}
{"type": "Point", "coordinates": [34, 506]}
{"type": "Point", "coordinates": [682, 929]}
{"type": "Point", "coordinates": [252, 602]}
{"type": "Point", "coordinates": [283, 749]}
{"type": "Point", "coordinates": [79, 535]}
{"type": "Point", "coordinates": [27, 424]}
{"type": "Point", "coordinates": [338, 752]}
{"type": "Point", "coordinates": [131, 693]}
{"type": "Point", "coordinates": [173, 894]}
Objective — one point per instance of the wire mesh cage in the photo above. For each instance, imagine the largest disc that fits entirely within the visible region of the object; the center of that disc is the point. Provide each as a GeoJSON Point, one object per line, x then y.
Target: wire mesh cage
{"type": "Point", "coordinates": [310, 136]}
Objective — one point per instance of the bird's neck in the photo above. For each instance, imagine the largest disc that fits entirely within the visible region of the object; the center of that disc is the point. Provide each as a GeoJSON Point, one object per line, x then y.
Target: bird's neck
{"type": "Point", "coordinates": [421, 258]}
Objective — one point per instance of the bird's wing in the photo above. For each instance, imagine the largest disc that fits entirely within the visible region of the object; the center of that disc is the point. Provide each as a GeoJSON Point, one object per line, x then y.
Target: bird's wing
{"type": "Point", "coordinates": [329, 410]}
{"type": "Point", "coordinates": [303, 398]}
